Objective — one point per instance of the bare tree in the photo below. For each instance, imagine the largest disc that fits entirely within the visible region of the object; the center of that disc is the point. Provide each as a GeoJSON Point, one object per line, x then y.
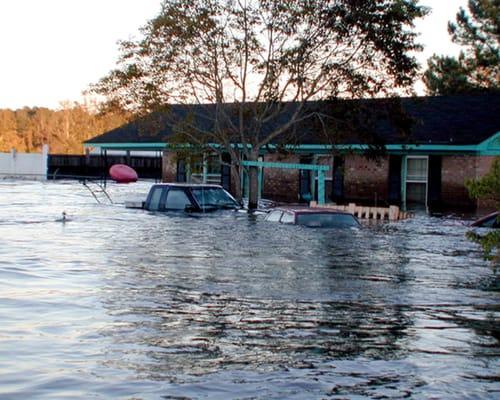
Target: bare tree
{"type": "Point", "coordinates": [252, 66]}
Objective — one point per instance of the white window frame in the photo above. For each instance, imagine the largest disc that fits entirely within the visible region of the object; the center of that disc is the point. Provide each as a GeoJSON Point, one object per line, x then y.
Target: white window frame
{"type": "Point", "coordinates": [425, 181]}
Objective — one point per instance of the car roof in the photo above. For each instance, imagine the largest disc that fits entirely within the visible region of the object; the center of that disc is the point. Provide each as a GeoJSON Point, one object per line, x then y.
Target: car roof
{"type": "Point", "coordinates": [192, 185]}
{"type": "Point", "coordinates": [310, 210]}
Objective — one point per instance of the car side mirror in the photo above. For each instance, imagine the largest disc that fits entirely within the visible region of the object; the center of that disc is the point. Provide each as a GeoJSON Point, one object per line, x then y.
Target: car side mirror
{"type": "Point", "coordinates": [189, 208]}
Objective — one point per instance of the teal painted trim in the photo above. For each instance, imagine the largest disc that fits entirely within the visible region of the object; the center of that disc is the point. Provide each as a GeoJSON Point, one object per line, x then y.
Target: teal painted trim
{"type": "Point", "coordinates": [389, 147]}
{"type": "Point", "coordinates": [264, 164]}
{"type": "Point", "coordinates": [321, 187]}
{"type": "Point", "coordinates": [392, 148]}
{"type": "Point", "coordinates": [260, 180]}
{"type": "Point", "coordinates": [125, 146]}
{"type": "Point", "coordinates": [404, 174]}
{"type": "Point", "coordinates": [491, 146]}
{"type": "Point", "coordinates": [259, 183]}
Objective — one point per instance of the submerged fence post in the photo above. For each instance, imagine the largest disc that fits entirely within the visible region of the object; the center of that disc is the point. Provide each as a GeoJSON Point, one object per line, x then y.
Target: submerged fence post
{"type": "Point", "coordinates": [393, 213]}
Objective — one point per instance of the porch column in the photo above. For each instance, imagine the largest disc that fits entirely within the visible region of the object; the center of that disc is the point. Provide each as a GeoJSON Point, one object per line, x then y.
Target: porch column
{"type": "Point", "coordinates": [205, 168]}
{"type": "Point", "coordinates": [404, 172]}
{"type": "Point", "coordinates": [259, 181]}
{"type": "Point", "coordinates": [321, 187]}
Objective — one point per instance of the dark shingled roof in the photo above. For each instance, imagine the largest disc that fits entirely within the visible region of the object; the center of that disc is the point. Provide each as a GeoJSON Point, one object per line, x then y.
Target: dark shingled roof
{"type": "Point", "coordinates": [444, 120]}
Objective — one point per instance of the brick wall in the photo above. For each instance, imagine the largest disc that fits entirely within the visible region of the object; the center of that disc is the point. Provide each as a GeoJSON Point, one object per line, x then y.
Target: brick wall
{"type": "Point", "coordinates": [281, 184]}
{"type": "Point", "coordinates": [169, 167]}
{"type": "Point", "coordinates": [454, 172]}
{"type": "Point", "coordinates": [365, 180]}
{"type": "Point", "coordinates": [326, 160]}
{"type": "Point", "coordinates": [483, 166]}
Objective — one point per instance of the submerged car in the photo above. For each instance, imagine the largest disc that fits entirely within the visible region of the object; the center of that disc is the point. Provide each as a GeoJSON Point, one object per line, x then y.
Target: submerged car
{"type": "Point", "coordinates": [186, 197]}
{"type": "Point", "coordinates": [489, 221]}
{"type": "Point", "coordinates": [313, 217]}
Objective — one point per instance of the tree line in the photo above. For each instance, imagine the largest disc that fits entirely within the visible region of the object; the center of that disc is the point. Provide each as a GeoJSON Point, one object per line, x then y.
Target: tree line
{"type": "Point", "coordinates": [64, 130]}
{"type": "Point", "coordinates": [298, 51]}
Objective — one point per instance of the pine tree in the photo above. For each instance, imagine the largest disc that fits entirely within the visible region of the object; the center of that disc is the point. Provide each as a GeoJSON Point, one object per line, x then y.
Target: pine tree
{"type": "Point", "coordinates": [477, 66]}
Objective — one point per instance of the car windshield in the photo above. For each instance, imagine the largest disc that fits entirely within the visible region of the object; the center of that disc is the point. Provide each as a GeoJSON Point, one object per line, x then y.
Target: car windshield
{"type": "Point", "coordinates": [327, 220]}
{"type": "Point", "coordinates": [213, 197]}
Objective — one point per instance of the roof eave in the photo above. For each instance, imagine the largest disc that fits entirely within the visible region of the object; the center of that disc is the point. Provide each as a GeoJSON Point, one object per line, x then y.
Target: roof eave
{"type": "Point", "coordinates": [489, 147]}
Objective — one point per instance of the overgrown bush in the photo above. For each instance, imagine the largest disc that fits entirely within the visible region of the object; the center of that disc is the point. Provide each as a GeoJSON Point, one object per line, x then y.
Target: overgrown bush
{"type": "Point", "coordinates": [487, 188]}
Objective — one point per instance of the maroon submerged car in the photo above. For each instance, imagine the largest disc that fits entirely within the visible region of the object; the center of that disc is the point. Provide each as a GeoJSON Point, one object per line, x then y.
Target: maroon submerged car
{"type": "Point", "coordinates": [313, 217]}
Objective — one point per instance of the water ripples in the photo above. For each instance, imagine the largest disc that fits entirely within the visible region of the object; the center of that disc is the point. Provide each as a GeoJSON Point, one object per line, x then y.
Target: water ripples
{"type": "Point", "coordinates": [120, 303]}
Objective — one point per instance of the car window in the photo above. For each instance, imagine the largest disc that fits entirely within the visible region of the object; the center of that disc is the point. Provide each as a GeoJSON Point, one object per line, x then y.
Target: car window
{"type": "Point", "coordinates": [176, 200]}
{"type": "Point", "coordinates": [213, 197]}
{"type": "Point", "coordinates": [327, 220]}
{"type": "Point", "coordinates": [287, 218]}
{"type": "Point", "coordinates": [154, 203]}
{"type": "Point", "coordinates": [274, 216]}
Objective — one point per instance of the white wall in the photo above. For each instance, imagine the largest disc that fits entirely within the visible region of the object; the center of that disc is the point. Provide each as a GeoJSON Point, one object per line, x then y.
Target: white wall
{"type": "Point", "coordinates": [24, 165]}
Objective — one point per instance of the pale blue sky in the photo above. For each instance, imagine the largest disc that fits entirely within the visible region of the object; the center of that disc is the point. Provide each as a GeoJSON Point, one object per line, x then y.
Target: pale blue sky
{"type": "Point", "coordinates": [51, 50]}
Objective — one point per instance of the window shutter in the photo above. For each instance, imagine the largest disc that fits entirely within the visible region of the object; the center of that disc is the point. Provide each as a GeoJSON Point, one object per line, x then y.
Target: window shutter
{"type": "Point", "coordinates": [305, 181]}
{"type": "Point", "coordinates": [181, 170]}
{"type": "Point", "coordinates": [394, 195]}
{"type": "Point", "coordinates": [338, 179]}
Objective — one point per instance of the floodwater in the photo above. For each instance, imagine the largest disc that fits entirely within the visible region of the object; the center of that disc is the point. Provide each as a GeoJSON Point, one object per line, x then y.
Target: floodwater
{"type": "Point", "coordinates": [125, 304]}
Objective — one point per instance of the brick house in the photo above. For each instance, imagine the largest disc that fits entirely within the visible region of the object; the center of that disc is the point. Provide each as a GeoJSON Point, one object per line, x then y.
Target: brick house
{"type": "Point", "coordinates": [451, 139]}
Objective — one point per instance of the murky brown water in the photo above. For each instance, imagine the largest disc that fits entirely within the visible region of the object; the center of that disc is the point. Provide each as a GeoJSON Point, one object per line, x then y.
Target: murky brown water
{"type": "Point", "coordinates": [120, 303]}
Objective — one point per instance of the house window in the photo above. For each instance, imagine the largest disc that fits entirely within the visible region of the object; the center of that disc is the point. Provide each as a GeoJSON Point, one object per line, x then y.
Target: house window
{"type": "Point", "coordinates": [205, 169]}
{"type": "Point", "coordinates": [416, 179]}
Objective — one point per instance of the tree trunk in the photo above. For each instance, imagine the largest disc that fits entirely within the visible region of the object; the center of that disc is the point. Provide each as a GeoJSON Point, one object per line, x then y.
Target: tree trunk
{"type": "Point", "coordinates": [235, 175]}
{"type": "Point", "coordinates": [253, 187]}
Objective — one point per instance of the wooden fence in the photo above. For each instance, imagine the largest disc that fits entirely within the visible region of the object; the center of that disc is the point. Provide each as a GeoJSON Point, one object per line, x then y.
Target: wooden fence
{"type": "Point", "coordinates": [62, 166]}
{"type": "Point", "coordinates": [392, 213]}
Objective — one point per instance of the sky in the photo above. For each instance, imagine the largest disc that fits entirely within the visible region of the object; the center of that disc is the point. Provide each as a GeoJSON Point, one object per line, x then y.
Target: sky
{"type": "Point", "coordinates": [52, 50]}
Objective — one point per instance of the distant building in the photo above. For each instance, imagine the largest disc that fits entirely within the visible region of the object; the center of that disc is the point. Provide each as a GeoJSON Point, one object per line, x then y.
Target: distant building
{"type": "Point", "coordinates": [448, 140]}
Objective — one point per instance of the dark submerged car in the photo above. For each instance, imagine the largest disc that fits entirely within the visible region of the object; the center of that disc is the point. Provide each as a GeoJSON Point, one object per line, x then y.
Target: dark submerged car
{"type": "Point", "coordinates": [489, 221]}
{"type": "Point", "coordinates": [313, 217]}
{"type": "Point", "coordinates": [187, 197]}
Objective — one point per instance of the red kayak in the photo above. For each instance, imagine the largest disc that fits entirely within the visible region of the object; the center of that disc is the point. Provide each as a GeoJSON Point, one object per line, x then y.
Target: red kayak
{"type": "Point", "coordinates": [122, 173]}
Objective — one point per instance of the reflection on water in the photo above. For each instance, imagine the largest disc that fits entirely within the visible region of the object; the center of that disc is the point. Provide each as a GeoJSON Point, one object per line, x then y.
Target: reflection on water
{"type": "Point", "coordinates": [120, 303]}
